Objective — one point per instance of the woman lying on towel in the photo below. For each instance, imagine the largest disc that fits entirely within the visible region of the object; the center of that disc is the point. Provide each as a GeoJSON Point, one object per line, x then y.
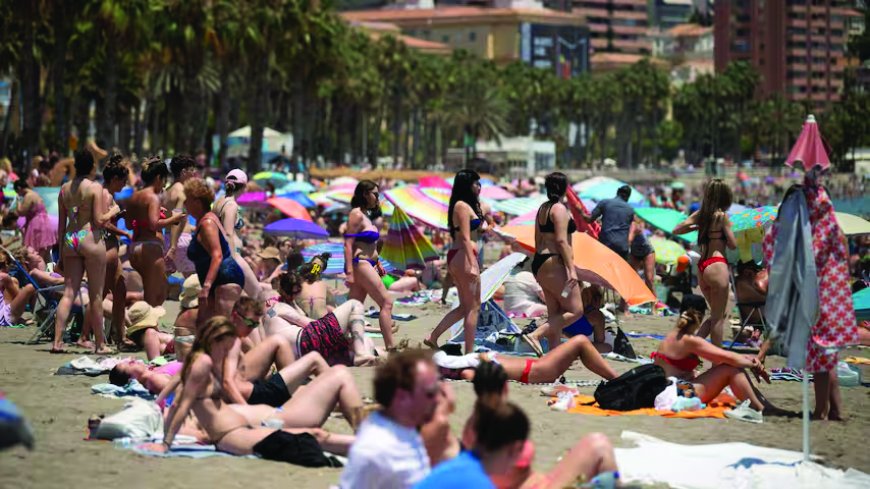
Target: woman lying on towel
{"type": "Point", "coordinates": [152, 377]}
{"type": "Point", "coordinates": [339, 336]}
{"type": "Point", "coordinates": [680, 353]}
{"type": "Point", "coordinates": [227, 427]}
{"type": "Point", "coordinates": [529, 370]}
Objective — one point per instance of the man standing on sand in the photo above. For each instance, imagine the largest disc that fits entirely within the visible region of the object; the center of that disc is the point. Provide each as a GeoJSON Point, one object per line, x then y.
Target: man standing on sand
{"type": "Point", "coordinates": [182, 167]}
{"type": "Point", "coordinates": [389, 451]}
{"type": "Point", "coordinates": [616, 217]}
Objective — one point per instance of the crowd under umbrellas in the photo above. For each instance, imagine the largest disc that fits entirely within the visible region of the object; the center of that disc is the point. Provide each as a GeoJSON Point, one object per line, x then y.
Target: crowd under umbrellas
{"type": "Point", "coordinates": [274, 276]}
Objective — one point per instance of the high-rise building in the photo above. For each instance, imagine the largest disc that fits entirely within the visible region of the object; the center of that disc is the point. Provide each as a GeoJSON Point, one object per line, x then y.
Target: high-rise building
{"type": "Point", "coordinates": [617, 26]}
{"type": "Point", "coordinates": [798, 46]}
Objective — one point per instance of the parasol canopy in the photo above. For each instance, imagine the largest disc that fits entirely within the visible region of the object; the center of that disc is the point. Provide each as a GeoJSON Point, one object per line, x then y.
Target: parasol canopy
{"type": "Point", "coordinates": [418, 205]}
{"type": "Point", "coordinates": [753, 218]}
{"type": "Point", "coordinates": [851, 224]}
{"type": "Point", "coordinates": [520, 205]}
{"type": "Point", "coordinates": [809, 149]}
{"type": "Point", "coordinates": [300, 197]}
{"type": "Point", "coordinates": [252, 199]}
{"type": "Point", "coordinates": [595, 263]}
{"type": "Point", "coordinates": [405, 245]}
{"type": "Point", "coordinates": [275, 178]}
{"type": "Point", "coordinates": [295, 228]}
{"type": "Point", "coordinates": [666, 220]}
{"type": "Point", "coordinates": [667, 251]}
{"type": "Point", "coordinates": [290, 208]}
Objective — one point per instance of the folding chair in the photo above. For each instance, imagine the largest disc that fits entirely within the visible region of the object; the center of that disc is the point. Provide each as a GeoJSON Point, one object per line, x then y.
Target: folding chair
{"type": "Point", "coordinates": [46, 300]}
{"type": "Point", "coordinates": [755, 309]}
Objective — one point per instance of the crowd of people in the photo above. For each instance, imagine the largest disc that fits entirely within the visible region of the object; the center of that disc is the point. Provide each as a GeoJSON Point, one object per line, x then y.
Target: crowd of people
{"type": "Point", "coordinates": [262, 347]}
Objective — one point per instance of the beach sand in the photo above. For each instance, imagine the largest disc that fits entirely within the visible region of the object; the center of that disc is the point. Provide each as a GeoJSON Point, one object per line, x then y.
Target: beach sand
{"type": "Point", "coordinates": [58, 407]}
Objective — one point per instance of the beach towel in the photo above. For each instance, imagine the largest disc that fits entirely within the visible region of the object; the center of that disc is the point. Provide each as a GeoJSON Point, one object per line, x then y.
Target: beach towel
{"type": "Point", "coordinates": [418, 298]}
{"type": "Point", "coordinates": [132, 389]}
{"type": "Point", "coordinates": [715, 409]}
{"type": "Point", "coordinates": [857, 360]}
{"type": "Point", "coordinates": [92, 367]}
{"type": "Point", "coordinates": [373, 313]}
{"type": "Point", "coordinates": [737, 465]}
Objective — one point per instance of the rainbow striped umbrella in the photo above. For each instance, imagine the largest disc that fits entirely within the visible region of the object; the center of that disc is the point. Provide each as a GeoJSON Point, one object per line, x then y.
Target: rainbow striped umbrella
{"type": "Point", "coordinates": [335, 266]}
{"type": "Point", "coordinates": [753, 218]}
{"type": "Point", "coordinates": [442, 195]}
{"type": "Point", "coordinates": [434, 181]}
{"type": "Point", "coordinates": [419, 206]}
{"type": "Point", "coordinates": [520, 205]}
{"type": "Point", "coordinates": [405, 245]}
{"type": "Point", "coordinates": [495, 193]}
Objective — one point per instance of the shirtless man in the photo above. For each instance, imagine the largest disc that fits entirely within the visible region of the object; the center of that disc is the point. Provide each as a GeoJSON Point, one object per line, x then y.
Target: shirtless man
{"type": "Point", "coordinates": [182, 167]}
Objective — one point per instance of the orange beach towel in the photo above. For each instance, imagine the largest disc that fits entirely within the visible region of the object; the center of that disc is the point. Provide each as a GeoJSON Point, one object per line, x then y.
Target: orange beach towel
{"type": "Point", "coordinates": [714, 409]}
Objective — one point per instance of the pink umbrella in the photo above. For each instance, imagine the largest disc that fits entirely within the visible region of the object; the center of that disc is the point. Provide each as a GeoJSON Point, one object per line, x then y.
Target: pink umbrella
{"type": "Point", "coordinates": [252, 199]}
{"type": "Point", "coordinates": [809, 148]}
{"type": "Point", "coordinates": [290, 208]}
{"type": "Point", "coordinates": [496, 193]}
{"type": "Point", "coordinates": [434, 181]}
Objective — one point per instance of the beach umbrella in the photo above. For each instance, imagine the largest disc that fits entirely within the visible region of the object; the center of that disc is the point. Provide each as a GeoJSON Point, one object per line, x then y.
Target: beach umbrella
{"type": "Point", "coordinates": [295, 228]}
{"type": "Point", "coordinates": [595, 263]}
{"type": "Point", "coordinates": [527, 219]}
{"type": "Point", "coordinates": [735, 208]}
{"type": "Point", "coordinates": [344, 181]}
{"type": "Point", "coordinates": [495, 193]}
{"type": "Point", "coordinates": [335, 266]}
{"type": "Point", "coordinates": [345, 195]}
{"type": "Point", "coordinates": [405, 245]}
{"type": "Point", "coordinates": [861, 299]}
{"type": "Point", "coordinates": [434, 181]}
{"type": "Point", "coordinates": [275, 178]}
{"type": "Point", "coordinates": [290, 208]}
{"type": "Point", "coordinates": [852, 225]}
{"type": "Point", "coordinates": [809, 149]}
{"type": "Point", "coordinates": [666, 220]}
{"type": "Point", "coordinates": [252, 199]}
{"type": "Point", "coordinates": [439, 194]}
{"type": "Point", "coordinates": [321, 198]}
{"type": "Point", "coordinates": [418, 205]}
{"type": "Point", "coordinates": [589, 183]}
{"type": "Point", "coordinates": [124, 194]}
{"type": "Point", "coordinates": [753, 218]}
{"type": "Point", "coordinates": [520, 205]}
{"type": "Point", "coordinates": [300, 197]}
{"type": "Point", "coordinates": [607, 190]}
{"type": "Point", "coordinates": [667, 251]}
{"type": "Point", "coordinates": [293, 186]}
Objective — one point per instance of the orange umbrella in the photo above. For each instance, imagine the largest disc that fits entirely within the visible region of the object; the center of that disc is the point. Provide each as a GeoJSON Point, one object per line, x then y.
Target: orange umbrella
{"type": "Point", "coordinates": [290, 208]}
{"type": "Point", "coordinates": [595, 263]}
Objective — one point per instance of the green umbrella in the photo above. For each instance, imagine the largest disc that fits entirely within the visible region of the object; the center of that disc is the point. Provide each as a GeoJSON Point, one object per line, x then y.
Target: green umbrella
{"type": "Point", "coordinates": [861, 299]}
{"type": "Point", "coordinates": [274, 177]}
{"type": "Point", "coordinates": [666, 220]}
{"type": "Point", "coordinates": [752, 218]}
{"type": "Point", "coordinates": [667, 251]}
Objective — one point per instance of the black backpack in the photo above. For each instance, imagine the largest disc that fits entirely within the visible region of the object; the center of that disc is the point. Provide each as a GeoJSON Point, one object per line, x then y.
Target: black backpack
{"type": "Point", "coordinates": [634, 389]}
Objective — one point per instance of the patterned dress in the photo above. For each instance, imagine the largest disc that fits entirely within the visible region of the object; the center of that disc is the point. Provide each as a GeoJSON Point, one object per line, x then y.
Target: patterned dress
{"type": "Point", "coordinates": [836, 327]}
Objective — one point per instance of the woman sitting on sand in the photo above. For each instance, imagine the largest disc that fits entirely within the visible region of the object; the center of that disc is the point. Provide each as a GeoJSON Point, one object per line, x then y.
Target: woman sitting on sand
{"type": "Point", "coordinates": [529, 370]}
{"type": "Point", "coordinates": [315, 299]}
{"type": "Point", "coordinates": [339, 335]}
{"type": "Point", "coordinates": [681, 351]}
{"type": "Point", "coordinates": [226, 426]}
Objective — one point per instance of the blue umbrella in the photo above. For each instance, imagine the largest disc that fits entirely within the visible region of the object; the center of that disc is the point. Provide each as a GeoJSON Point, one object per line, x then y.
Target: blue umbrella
{"type": "Point", "coordinates": [300, 197]}
{"type": "Point", "coordinates": [607, 190]}
{"type": "Point", "coordinates": [295, 228]}
{"type": "Point", "coordinates": [336, 261]}
{"type": "Point", "coordinates": [124, 194]}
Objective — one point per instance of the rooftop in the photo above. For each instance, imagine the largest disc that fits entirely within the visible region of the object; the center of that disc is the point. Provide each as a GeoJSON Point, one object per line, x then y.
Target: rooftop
{"type": "Point", "coordinates": [376, 30]}
{"type": "Point", "coordinates": [462, 15]}
{"type": "Point", "coordinates": [689, 30]}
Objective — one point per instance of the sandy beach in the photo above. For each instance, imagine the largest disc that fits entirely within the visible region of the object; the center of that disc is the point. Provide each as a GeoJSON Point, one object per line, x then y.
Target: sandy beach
{"type": "Point", "coordinates": [58, 408]}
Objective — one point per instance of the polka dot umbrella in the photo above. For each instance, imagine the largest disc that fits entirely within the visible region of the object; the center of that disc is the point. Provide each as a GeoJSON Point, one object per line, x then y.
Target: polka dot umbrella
{"type": "Point", "coordinates": [753, 218]}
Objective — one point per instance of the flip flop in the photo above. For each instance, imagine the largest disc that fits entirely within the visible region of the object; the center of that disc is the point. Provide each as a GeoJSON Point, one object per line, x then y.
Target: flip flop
{"type": "Point", "coordinates": [431, 344]}
{"type": "Point", "coordinates": [56, 351]}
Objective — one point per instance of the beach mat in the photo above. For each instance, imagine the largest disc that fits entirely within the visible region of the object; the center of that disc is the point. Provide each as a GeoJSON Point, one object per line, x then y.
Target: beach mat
{"type": "Point", "coordinates": [715, 409]}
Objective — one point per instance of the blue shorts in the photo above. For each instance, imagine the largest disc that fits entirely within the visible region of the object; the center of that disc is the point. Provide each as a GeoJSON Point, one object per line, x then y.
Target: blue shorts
{"type": "Point", "coordinates": [578, 327]}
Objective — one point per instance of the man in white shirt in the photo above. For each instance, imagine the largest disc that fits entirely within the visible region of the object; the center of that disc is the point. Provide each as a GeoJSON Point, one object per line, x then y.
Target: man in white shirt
{"type": "Point", "coordinates": [388, 451]}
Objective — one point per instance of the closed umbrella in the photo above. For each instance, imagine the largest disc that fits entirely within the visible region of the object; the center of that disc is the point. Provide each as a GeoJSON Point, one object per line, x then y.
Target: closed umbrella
{"type": "Point", "coordinates": [809, 149]}
{"type": "Point", "coordinates": [405, 245]}
{"type": "Point", "coordinates": [295, 228]}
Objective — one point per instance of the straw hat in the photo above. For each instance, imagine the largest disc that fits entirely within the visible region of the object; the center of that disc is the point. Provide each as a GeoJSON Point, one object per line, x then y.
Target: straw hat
{"type": "Point", "coordinates": [270, 252]}
{"type": "Point", "coordinates": [143, 316]}
{"type": "Point", "coordinates": [190, 290]}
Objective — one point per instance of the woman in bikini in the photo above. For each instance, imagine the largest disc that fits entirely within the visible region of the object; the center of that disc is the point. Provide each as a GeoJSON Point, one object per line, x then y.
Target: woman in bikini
{"type": "Point", "coordinates": [680, 354]}
{"type": "Point", "coordinates": [220, 273]}
{"type": "Point", "coordinates": [339, 336]}
{"type": "Point", "coordinates": [314, 299]}
{"type": "Point", "coordinates": [530, 370]}
{"type": "Point", "coordinates": [115, 176]}
{"type": "Point", "coordinates": [81, 217]}
{"type": "Point", "coordinates": [553, 267]}
{"type": "Point", "coordinates": [147, 219]}
{"type": "Point", "coordinates": [227, 426]}
{"type": "Point", "coordinates": [465, 221]}
{"type": "Point", "coordinates": [227, 211]}
{"type": "Point", "coordinates": [361, 265]}
{"type": "Point", "coordinates": [714, 235]}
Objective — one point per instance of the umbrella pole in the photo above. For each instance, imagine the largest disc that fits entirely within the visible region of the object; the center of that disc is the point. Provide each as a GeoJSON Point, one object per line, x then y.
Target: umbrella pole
{"type": "Point", "coordinates": [806, 423]}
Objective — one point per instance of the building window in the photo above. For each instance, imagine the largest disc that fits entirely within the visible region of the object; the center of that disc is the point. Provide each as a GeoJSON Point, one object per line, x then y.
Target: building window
{"type": "Point", "coordinates": [445, 38]}
{"type": "Point", "coordinates": [472, 36]}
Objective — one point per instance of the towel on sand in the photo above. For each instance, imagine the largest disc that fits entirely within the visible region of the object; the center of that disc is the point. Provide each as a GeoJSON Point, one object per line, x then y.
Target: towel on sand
{"type": "Point", "coordinates": [132, 389]}
{"type": "Point", "coordinates": [715, 409]}
{"type": "Point", "coordinates": [738, 465]}
{"type": "Point", "coordinates": [92, 367]}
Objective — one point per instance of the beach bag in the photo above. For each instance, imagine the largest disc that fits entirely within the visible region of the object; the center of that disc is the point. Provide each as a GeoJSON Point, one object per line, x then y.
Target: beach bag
{"type": "Point", "coordinates": [621, 345]}
{"type": "Point", "coordinates": [634, 389]}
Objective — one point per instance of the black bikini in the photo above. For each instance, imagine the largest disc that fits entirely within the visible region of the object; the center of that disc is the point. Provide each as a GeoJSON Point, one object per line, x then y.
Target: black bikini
{"type": "Point", "coordinates": [548, 227]}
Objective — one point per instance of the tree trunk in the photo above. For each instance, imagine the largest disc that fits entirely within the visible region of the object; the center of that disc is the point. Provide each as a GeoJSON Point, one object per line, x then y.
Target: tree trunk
{"type": "Point", "coordinates": [61, 38]}
{"type": "Point", "coordinates": [138, 128]}
{"type": "Point", "coordinates": [29, 77]}
{"type": "Point", "coordinates": [222, 115]}
{"type": "Point", "coordinates": [106, 124]}
{"type": "Point", "coordinates": [257, 115]}
{"type": "Point", "coordinates": [7, 123]}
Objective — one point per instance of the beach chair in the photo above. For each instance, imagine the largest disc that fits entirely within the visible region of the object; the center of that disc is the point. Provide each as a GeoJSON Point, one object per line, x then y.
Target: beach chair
{"type": "Point", "coordinates": [751, 314]}
{"type": "Point", "coordinates": [47, 299]}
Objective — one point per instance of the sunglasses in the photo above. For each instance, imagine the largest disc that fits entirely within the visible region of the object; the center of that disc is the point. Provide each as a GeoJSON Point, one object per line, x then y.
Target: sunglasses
{"type": "Point", "coordinates": [250, 323]}
{"type": "Point", "coordinates": [376, 194]}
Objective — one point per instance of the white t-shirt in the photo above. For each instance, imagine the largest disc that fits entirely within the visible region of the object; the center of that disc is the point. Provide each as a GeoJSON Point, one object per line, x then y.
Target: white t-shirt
{"type": "Point", "coordinates": [520, 292]}
{"type": "Point", "coordinates": [385, 455]}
